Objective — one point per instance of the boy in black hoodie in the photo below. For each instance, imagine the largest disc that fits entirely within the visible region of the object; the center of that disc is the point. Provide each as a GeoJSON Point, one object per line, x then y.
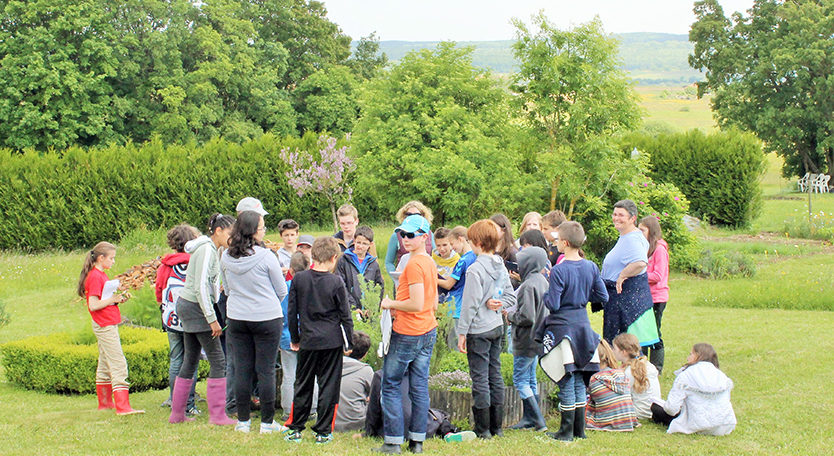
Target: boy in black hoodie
{"type": "Point", "coordinates": [356, 261]}
{"type": "Point", "coordinates": [524, 316]}
{"type": "Point", "coordinates": [321, 330]}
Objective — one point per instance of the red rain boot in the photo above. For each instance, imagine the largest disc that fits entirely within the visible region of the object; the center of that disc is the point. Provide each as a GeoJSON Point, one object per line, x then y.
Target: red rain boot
{"type": "Point", "coordinates": [104, 392]}
{"type": "Point", "coordinates": [121, 398]}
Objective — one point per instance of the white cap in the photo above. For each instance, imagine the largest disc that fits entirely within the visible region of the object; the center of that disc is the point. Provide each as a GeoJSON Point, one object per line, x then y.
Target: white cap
{"type": "Point", "coordinates": [251, 204]}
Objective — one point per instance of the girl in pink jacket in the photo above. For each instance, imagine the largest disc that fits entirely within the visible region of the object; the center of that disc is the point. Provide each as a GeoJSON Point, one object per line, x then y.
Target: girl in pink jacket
{"type": "Point", "coordinates": [658, 271]}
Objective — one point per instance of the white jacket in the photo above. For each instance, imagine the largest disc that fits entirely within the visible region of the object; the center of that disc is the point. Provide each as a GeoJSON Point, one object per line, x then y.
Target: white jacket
{"type": "Point", "coordinates": [643, 401]}
{"type": "Point", "coordinates": [701, 393]}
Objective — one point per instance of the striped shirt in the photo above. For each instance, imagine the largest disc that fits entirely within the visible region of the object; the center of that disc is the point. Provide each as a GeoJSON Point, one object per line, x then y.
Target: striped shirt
{"type": "Point", "coordinates": [610, 407]}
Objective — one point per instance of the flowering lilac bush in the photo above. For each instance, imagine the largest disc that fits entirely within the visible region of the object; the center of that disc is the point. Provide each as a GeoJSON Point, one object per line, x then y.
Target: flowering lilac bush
{"type": "Point", "coordinates": [451, 381]}
{"type": "Point", "coordinates": [326, 174]}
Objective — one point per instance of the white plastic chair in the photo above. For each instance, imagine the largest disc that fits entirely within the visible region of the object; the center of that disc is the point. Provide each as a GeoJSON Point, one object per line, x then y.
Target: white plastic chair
{"type": "Point", "coordinates": [803, 182]}
{"type": "Point", "coordinates": [821, 183]}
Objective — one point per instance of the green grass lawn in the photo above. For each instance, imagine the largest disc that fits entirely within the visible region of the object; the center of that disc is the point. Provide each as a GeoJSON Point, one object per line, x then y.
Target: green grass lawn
{"type": "Point", "coordinates": [680, 114]}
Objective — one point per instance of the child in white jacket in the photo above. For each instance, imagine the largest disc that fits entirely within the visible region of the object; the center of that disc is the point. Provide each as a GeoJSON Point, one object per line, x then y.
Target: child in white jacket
{"type": "Point", "coordinates": [699, 401]}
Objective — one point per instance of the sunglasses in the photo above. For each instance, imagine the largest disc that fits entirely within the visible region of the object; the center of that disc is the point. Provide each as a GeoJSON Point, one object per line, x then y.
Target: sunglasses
{"type": "Point", "coordinates": [408, 214]}
{"type": "Point", "coordinates": [411, 235]}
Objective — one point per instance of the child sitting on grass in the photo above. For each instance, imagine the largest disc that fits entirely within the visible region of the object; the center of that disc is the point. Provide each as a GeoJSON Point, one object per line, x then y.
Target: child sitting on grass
{"type": "Point", "coordinates": [699, 401]}
{"type": "Point", "coordinates": [609, 400]}
{"type": "Point", "coordinates": [641, 374]}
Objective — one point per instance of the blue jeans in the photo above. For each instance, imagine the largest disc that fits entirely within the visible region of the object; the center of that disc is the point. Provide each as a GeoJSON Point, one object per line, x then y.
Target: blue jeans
{"type": "Point", "coordinates": [571, 392]}
{"type": "Point", "coordinates": [524, 376]}
{"type": "Point", "coordinates": [176, 353]}
{"type": "Point", "coordinates": [407, 355]}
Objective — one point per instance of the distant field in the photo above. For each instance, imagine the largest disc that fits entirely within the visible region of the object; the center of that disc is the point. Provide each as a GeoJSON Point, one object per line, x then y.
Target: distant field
{"type": "Point", "coordinates": [681, 114]}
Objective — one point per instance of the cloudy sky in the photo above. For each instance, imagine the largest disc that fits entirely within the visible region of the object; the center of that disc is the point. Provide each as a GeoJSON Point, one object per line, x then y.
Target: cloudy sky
{"type": "Point", "coordinates": [476, 20]}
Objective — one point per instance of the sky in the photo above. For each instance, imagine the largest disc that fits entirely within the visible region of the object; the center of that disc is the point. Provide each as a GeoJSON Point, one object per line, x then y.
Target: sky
{"type": "Point", "coordinates": [487, 20]}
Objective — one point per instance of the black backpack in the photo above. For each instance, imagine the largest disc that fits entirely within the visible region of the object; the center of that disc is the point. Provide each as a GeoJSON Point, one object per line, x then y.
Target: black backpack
{"type": "Point", "coordinates": [439, 424]}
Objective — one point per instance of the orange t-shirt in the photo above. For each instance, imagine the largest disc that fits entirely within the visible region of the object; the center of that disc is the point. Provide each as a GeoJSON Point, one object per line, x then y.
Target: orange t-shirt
{"type": "Point", "coordinates": [420, 269]}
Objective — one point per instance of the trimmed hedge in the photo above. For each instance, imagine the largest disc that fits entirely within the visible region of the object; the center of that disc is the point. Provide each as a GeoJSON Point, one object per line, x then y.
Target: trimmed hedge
{"type": "Point", "coordinates": [66, 363]}
{"type": "Point", "coordinates": [81, 196]}
{"type": "Point", "coordinates": [719, 173]}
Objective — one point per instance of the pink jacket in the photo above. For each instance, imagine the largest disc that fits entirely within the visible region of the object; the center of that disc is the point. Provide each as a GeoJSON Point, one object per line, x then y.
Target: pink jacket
{"type": "Point", "coordinates": [658, 271]}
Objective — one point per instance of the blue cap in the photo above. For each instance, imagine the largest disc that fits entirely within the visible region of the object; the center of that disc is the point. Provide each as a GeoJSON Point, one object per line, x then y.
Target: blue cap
{"type": "Point", "coordinates": [413, 224]}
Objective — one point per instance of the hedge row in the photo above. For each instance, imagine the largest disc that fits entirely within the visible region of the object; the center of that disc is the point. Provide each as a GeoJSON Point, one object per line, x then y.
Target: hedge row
{"type": "Point", "coordinates": [719, 173]}
{"type": "Point", "coordinates": [81, 196]}
{"type": "Point", "coordinates": [66, 363]}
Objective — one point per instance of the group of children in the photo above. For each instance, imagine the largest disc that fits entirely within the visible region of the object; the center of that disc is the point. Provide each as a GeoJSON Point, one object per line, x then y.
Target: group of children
{"type": "Point", "coordinates": [541, 291]}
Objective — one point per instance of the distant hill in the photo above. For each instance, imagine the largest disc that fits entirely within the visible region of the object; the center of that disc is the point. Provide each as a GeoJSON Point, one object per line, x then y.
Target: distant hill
{"type": "Point", "coordinates": [649, 58]}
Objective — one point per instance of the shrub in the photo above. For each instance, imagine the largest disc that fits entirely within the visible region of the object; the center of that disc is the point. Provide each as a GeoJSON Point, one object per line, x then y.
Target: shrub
{"type": "Point", "coordinates": [820, 226]}
{"type": "Point", "coordinates": [722, 264]}
{"type": "Point", "coordinates": [4, 317]}
{"type": "Point", "coordinates": [78, 197]}
{"type": "Point", "coordinates": [457, 380]}
{"type": "Point", "coordinates": [66, 363]}
{"type": "Point", "coordinates": [719, 173]}
{"type": "Point", "coordinates": [141, 309]}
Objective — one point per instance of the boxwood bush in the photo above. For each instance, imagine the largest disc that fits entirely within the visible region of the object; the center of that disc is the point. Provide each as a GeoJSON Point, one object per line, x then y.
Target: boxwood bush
{"type": "Point", "coordinates": [66, 362]}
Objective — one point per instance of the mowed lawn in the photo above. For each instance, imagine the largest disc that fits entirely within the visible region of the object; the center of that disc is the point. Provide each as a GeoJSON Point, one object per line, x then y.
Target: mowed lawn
{"type": "Point", "coordinates": [779, 360]}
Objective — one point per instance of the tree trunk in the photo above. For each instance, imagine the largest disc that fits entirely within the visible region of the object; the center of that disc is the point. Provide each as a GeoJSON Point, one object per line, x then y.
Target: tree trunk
{"type": "Point", "coordinates": [554, 188]}
{"type": "Point", "coordinates": [335, 219]}
{"type": "Point", "coordinates": [569, 216]}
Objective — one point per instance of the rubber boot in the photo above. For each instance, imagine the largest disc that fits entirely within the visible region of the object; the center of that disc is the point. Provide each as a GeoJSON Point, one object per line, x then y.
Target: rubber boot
{"type": "Point", "coordinates": [565, 432]}
{"type": "Point", "coordinates": [656, 357]}
{"type": "Point", "coordinates": [179, 399]}
{"type": "Point", "coordinates": [527, 419]}
{"type": "Point", "coordinates": [481, 427]}
{"type": "Point", "coordinates": [579, 422]}
{"type": "Point", "coordinates": [536, 415]}
{"type": "Point", "coordinates": [122, 399]}
{"type": "Point", "coordinates": [496, 420]}
{"type": "Point", "coordinates": [104, 392]}
{"type": "Point", "coordinates": [216, 400]}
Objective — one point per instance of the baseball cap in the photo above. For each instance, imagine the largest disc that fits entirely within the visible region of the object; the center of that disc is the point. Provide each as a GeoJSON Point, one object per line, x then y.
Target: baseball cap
{"type": "Point", "coordinates": [251, 204]}
{"type": "Point", "coordinates": [413, 224]}
{"type": "Point", "coordinates": [305, 239]}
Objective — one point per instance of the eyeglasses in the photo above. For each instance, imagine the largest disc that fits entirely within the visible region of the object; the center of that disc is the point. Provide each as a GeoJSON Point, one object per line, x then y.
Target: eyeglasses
{"type": "Point", "coordinates": [411, 235]}
{"type": "Point", "coordinates": [263, 228]}
{"type": "Point", "coordinates": [408, 214]}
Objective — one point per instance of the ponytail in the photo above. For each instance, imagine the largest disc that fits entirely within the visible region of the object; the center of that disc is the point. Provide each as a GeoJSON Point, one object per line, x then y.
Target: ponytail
{"type": "Point", "coordinates": [102, 248]}
{"type": "Point", "coordinates": [629, 345]}
{"type": "Point", "coordinates": [221, 221]}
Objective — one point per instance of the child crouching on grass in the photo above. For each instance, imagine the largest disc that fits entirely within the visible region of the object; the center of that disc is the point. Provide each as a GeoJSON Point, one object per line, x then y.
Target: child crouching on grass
{"type": "Point", "coordinates": [321, 331]}
{"type": "Point", "coordinates": [111, 373]}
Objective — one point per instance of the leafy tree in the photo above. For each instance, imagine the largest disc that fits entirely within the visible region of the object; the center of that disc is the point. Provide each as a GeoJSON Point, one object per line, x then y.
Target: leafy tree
{"type": "Point", "coordinates": [303, 29]}
{"type": "Point", "coordinates": [326, 101]}
{"type": "Point", "coordinates": [437, 129]}
{"type": "Point", "coordinates": [772, 73]}
{"type": "Point", "coordinates": [367, 60]}
{"type": "Point", "coordinates": [573, 95]}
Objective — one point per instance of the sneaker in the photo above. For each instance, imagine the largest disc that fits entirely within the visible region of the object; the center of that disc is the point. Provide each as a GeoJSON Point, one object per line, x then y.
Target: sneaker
{"type": "Point", "coordinates": [198, 398]}
{"type": "Point", "coordinates": [324, 438]}
{"type": "Point", "coordinates": [274, 426]}
{"type": "Point", "coordinates": [192, 411]}
{"type": "Point", "coordinates": [464, 436]}
{"type": "Point", "coordinates": [293, 436]}
{"type": "Point", "coordinates": [243, 426]}
{"type": "Point", "coordinates": [167, 403]}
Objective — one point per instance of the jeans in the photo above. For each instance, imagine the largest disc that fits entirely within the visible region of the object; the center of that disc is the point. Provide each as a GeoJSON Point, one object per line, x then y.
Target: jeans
{"type": "Point", "coordinates": [289, 364]}
{"type": "Point", "coordinates": [571, 392]}
{"type": "Point", "coordinates": [658, 308]}
{"type": "Point", "coordinates": [483, 353]}
{"type": "Point", "coordinates": [176, 353]}
{"type": "Point", "coordinates": [524, 376]}
{"type": "Point", "coordinates": [255, 348]}
{"type": "Point", "coordinates": [191, 356]}
{"type": "Point", "coordinates": [411, 354]}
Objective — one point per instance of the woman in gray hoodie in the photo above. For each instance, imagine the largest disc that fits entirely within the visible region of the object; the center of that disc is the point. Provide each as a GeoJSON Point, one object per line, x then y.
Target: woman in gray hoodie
{"type": "Point", "coordinates": [255, 284]}
{"type": "Point", "coordinates": [481, 324]}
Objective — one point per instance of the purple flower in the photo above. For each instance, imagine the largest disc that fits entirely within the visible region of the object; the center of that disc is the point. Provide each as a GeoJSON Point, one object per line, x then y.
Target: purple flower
{"type": "Point", "coordinates": [642, 202]}
{"type": "Point", "coordinates": [677, 199]}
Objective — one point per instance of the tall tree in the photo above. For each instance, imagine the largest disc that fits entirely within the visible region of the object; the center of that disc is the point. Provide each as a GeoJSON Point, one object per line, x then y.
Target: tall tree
{"type": "Point", "coordinates": [367, 60]}
{"type": "Point", "coordinates": [574, 96]}
{"type": "Point", "coordinates": [326, 101]}
{"type": "Point", "coordinates": [437, 129]}
{"type": "Point", "coordinates": [772, 72]}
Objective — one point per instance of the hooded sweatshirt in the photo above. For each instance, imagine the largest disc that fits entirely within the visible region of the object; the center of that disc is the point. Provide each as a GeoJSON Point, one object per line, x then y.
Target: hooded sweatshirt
{"type": "Point", "coordinates": [486, 279]}
{"type": "Point", "coordinates": [202, 278]}
{"type": "Point", "coordinates": [658, 271]}
{"type": "Point", "coordinates": [610, 407]}
{"type": "Point", "coordinates": [353, 394]}
{"type": "Point", "coordinates": [530, 309]}
{"type": "Point", "coordinates": [701, 394]}
{"type": "Point", "coordinates": [255, 286]}
{"type": "Point", "coordinates": [166, 268]}
{"type": "Point", "coordinates": [349, 268]}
